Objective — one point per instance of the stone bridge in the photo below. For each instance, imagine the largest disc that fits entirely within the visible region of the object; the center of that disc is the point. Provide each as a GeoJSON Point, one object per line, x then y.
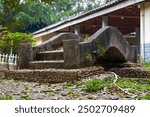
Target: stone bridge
{"type": "Point", "coordinates": [106, 45]}
{"type": "Point", "coordinates": [114, 46]}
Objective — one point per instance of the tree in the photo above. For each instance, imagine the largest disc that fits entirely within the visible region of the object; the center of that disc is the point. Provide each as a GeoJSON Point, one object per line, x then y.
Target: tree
{"type": "Point", "coordinates": [34, 15]}
{"type": "Point", "coordinates": [9, 9]}
{"type": "Point", "coordinates": [31, 15]}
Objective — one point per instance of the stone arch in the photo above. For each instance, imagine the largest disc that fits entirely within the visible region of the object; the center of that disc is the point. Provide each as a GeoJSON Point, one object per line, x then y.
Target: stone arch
{"type": "Point", "coordinates": [112, 41]}
{"type": "Point", "coordinates": [112, 54]}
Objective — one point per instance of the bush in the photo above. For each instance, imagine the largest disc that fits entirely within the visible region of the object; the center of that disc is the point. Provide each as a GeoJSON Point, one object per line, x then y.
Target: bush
{"type": "Point", "coordinates": [147, 65]}
{"type": "Point", "coordinates": [94, 85]}
{"type": "Point", "coordinates": [146, 97]}
{"type": "Point", "coordinates": [12, 41]}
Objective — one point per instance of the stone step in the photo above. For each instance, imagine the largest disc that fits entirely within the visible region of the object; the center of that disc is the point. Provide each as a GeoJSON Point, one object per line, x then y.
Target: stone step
{"type": "Point", "coordinates": [53, 75]}
{"type": "Point", "coordinates": [46, 64]}
{"type": "Point", "coordinates": [50, 55]}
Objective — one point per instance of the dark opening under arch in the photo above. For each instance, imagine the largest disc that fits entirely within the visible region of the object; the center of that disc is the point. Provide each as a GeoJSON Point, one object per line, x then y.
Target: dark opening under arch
{"type": "Point", "coordinates": [112, 54]}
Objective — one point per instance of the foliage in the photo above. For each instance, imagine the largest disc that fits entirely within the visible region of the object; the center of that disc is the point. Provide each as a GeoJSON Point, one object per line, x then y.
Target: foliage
{"type": "Point", "coordinates": [146, 97]}
{"type": "Point", "coordinates": [134, 84]}
{"type": "Point", "coordinates": [147, 65]}
{"type": "Point", "coordinates": [86, 37]}
{"type": "Point", "coordinates": [6, 98]}
{"type": "Point", "coordinates": [34, 15]}
{"type": "Point", "coordinates": [94, 85]}
{"type": "Point", "coordinates": [89, 57]}
{"type": "Point", "coordinates": [9, 9]}
{"type": "Point", "coordinates": [31, 15]}
{"type": "Point", "coordinates": [100, 50]}
{"type": "Point", "coordinates": [12, 41]}
{"type": "Point", "coordinates": [68, 84]}
{"type": "Point", "coordinates": [25, 98]}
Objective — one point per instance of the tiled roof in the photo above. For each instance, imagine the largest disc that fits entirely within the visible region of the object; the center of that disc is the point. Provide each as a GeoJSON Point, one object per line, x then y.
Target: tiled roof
{"type": "Point", "coordinates": [72, 18]}
{"type": "Point", "coordinates": [79, 16]}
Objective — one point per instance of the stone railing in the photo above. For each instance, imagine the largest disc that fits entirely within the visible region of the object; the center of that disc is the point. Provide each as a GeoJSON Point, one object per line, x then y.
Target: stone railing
{"type": "Point", "coordinates": [55, 42]}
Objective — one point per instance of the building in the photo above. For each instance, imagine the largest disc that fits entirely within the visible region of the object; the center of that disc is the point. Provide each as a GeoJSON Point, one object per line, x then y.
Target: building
{"type": "Point", "coordinates": [129, 16]}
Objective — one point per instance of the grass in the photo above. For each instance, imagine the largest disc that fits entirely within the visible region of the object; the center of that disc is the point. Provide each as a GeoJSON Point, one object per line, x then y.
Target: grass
{"type": "Point", "coordinates": [147, 65]}
{"type": "Point", "coordinates": [25, 98]}
{"type": "Point", "coordinates": [68, 84]}
{"type": "Point", "coordinates": [94, 85]}
{"type": "Point", "coordinates": [6, 98]}
{"type": "Point", "coordinates": [146, 97]}
{"type": "Point", "coordinates": [134, 84]}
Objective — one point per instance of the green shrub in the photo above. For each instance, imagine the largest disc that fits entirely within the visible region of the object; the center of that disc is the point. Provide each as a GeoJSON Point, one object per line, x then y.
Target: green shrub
{"type": "Point", "coordinates": [12, 41]}
{"type": "Point", "coordinates": [147, 65]}
{"type": "Point", "coordinates": [146, 97]}
{"type": "Point", "coordinates": [94, 85]}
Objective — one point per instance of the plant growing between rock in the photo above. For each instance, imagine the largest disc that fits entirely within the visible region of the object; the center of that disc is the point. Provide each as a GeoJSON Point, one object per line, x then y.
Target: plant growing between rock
{"type": "Point", "coordinates": [99, 51]}
{"type": "Point", "coordinates": [94, 85]}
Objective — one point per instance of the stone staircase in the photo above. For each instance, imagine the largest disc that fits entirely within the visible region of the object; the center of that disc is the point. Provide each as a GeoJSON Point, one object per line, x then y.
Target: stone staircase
{"type": "Point", "coordinates": [48, 59]}
{"type": "Point", "coordinates": [49, 67]}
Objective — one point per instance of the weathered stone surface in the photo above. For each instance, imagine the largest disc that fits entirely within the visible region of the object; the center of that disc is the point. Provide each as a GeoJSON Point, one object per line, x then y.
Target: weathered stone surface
{"type": "Point", "coordinates": [50, 55]}
{"type": "Point", "coordinates": [55, 42]}
{"type": "Point", "coordinates": [71, 53]}
{"type": "Point", "coordinates": [5, 67]}
{"type": "Point", "coordinates": [46, 64]}
{"type": "Point", "coordinates": [19, 89]}
{"type": "Point", "coordinates": [116, 47]}
{"type": "Point", "coordinates": [53, 75]}
{"type": "Point", "coordinates": [25, 56]}
{"type": "Point", "coordinates": [131, 72]}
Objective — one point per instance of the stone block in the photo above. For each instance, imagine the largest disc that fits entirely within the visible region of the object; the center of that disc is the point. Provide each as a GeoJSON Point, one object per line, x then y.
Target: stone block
{"type": "Point", "coordinates": [25, 56]}
{"type": "Point", "coordinates": [71, 53]}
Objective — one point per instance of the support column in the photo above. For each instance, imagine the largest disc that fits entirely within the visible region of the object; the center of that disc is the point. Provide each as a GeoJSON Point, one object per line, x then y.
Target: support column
{"type": "Point", "coordinates": [25, 56]}
{"type": "Point", "coordinates": [145, 34]}
{"type": "Point", "coordinates": [77, 29]}
{"type": "Point", "coordinates": [137, 30]}
{"type": "Point", "coordinates": [104, 21]}
{"type": "Point", "coordinates": [71, 53]}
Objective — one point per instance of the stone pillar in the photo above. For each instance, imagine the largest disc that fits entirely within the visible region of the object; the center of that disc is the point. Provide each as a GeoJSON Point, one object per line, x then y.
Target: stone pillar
{"type": "Point", "coordinates": [71, 53]}
{"type": "Point", "coordinates": [77, 29]}
{"type": "Point", "coordinates": [104, 21]}
{"type": "Point", "coordinates": [137, 30]}
{"type": "Point", "coordinates": [25, 56]}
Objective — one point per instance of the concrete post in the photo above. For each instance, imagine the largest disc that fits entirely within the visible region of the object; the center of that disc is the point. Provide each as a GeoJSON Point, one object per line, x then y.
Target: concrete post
{"type": "Point", "coordinates": [137, 30]}
{"type": "Point", "coordinates": [104, 21]}
{"type": "Point", "coordinates": [71, 53]}
{"type": "Point", "coordinates": [145, 34]}
{"type": "Point", "coordinates": [25, 56]}
{"type": "Point", "coordinates": [77, 29]}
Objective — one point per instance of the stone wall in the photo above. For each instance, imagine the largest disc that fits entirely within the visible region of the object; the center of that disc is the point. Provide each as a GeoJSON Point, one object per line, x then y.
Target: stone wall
{"type": "Point", "coordinates": [131, 72]}
{"type": "Point", "coordinates": [52, 75]}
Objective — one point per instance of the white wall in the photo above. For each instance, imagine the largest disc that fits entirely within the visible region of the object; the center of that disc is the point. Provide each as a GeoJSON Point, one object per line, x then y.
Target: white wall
{"type": "Point", "coordinates": [145, 31]}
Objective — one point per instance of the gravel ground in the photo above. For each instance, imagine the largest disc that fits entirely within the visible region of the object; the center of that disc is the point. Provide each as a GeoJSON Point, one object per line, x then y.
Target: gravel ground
{"type": "Point", "coordinates": [44, 91]}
